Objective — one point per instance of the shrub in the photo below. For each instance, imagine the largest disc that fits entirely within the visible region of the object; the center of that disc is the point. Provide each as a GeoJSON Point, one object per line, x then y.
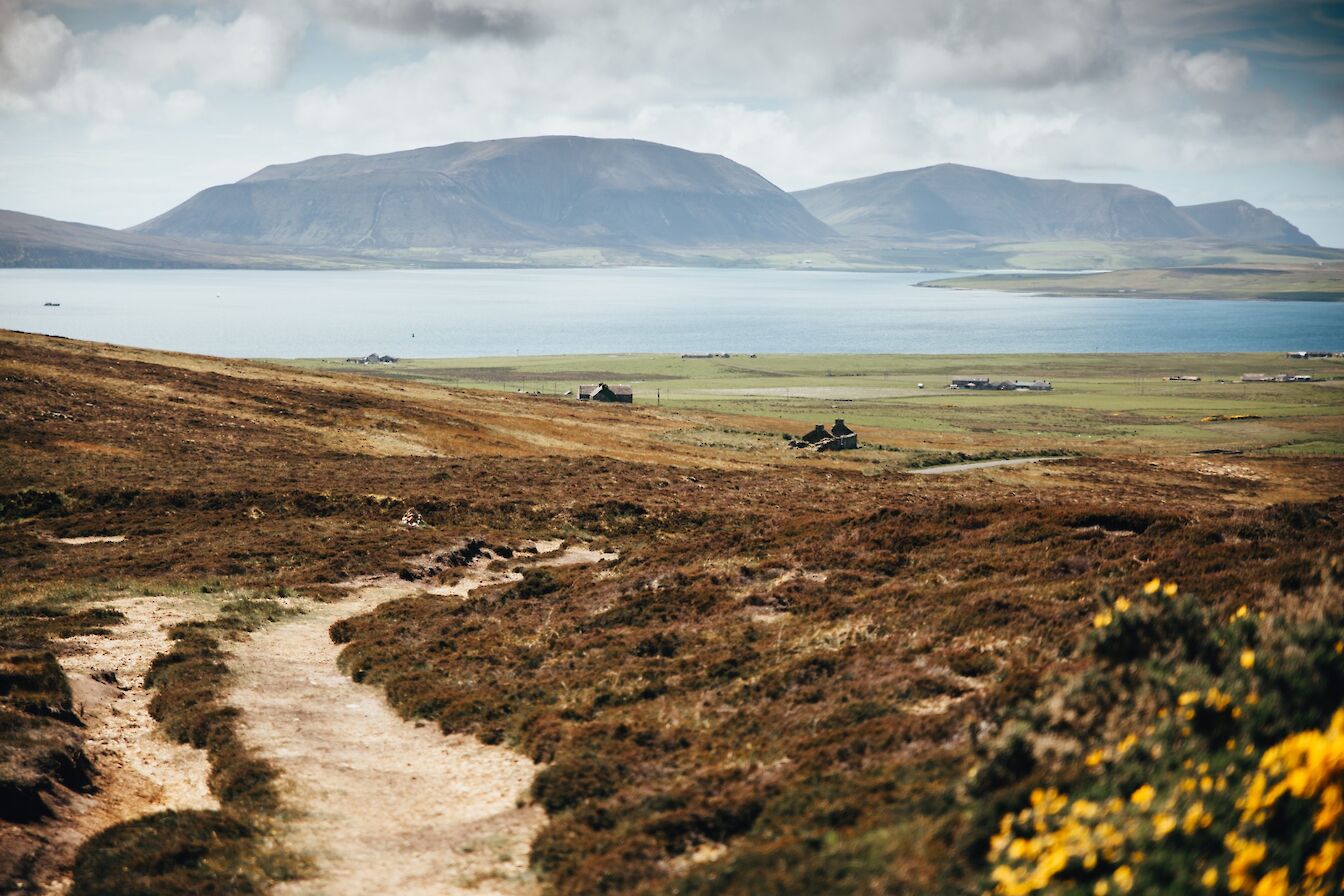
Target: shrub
{"type": "Point", "coordinates": [573, 779]}
{"type": "Point", "coordinates": [1217, 764]}
{"type": "Point", "coordinates": [165, 853]}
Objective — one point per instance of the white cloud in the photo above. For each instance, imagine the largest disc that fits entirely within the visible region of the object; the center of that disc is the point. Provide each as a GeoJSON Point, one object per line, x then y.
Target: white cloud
{"type": "Point", "coordinates": [253, 50]}
{"type": "Point", "coordinates": [1324, 142]}
{"type": "Point", "coordinates": [1216, 72]}
{"type": "Point", "coordinates": [153, 69]}
{"type": "Point", "coordinates": [35, 51]}
{"type": "Point", "coordinates": [183, 105]}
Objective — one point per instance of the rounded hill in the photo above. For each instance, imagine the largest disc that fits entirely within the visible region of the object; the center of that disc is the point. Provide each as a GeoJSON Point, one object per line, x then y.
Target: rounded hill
{"type": "Point", "coordinates": [534, 191]}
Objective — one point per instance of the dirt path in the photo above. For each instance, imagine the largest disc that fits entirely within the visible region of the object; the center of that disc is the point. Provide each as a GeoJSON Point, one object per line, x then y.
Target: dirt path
{"type": "Point", "coordinates": [980, 465]}
{"type": "Point", "coordinates": [139, 769]}
{"type": "Point", "coordinates": [381, 804]}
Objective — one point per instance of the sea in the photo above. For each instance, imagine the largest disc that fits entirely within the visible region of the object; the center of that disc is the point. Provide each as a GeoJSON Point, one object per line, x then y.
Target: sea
{"type": "Point", "coordinates": [494, 312]}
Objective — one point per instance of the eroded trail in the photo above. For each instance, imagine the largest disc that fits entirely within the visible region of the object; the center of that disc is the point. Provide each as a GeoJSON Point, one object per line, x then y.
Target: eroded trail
{"type": "Point", "coordinates": [377, 803]}
{"type": "Point", "coordinates": [139, 770]}
{"type": "Point", "coordinates": [981, 465]}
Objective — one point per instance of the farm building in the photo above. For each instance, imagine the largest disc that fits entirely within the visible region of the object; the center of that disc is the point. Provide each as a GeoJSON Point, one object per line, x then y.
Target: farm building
{"type": "Point", "coordinates": [847, 437]}
{"type": "Point", "coordinates": [1276, 378]}
{"type": "Point", "coordinates": [839, 438]}
{"type": "Point", "coordinates": [603, 392]}
{"type": "Point", "coordinates": [817, 435]}
{"type": "Point", "coordinates": [984, 382]}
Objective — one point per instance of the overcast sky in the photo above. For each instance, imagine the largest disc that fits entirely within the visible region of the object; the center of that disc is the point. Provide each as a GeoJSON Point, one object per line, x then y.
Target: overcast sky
{"type": "Point", "coordinates": [112, 112]}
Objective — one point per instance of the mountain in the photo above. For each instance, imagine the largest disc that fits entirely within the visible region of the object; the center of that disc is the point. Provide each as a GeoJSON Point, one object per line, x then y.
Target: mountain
{"type": "Point", "coordinates": [964, 202]}
{"type": "Point", "coordinates": [582, 201]}
{"type": "Point", "coordinates": [1242, 222]}
{"type": "Point", "coordinates": [557, 191]}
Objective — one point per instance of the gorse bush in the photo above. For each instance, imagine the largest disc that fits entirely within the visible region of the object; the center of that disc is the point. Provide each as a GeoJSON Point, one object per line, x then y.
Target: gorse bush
{"type": "Point", "coordinates": [1213, 762]}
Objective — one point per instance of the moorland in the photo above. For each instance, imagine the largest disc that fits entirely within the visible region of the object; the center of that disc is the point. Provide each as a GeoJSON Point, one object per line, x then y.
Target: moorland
{"type": "Point", "coordinates": [777, 671]}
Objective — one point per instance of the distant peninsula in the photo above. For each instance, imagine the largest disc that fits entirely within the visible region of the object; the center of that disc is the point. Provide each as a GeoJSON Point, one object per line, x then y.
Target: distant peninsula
{"type": "Point", "coordinates": [1315, 282]}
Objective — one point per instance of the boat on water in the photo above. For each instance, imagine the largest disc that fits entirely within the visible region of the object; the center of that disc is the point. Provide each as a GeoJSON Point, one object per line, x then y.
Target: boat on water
{"type": "Point", "coordinates": [51, 304]}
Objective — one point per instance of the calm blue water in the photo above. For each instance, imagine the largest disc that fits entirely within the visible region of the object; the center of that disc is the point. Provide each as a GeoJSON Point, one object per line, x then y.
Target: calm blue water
{"type": "Point", "coordinates": [459, 313]}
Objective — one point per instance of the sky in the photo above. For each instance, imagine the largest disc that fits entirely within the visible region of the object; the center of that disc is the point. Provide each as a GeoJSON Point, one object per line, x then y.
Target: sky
{"type": "Point", "coordinates": [113, 111]}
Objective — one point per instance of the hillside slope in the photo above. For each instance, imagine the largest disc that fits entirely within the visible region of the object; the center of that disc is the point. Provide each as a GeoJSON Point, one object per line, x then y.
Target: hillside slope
{"type": "Point", "coordinates": [1238, 220]}
{"type": "Point", "coordinates": [32, 241]}
{"type": "Point", "coordinates": [961, 201]}
{"type": "Point", "coordinates": [560, 191]}
{"type": "Point", "coordinates": [797, 678]}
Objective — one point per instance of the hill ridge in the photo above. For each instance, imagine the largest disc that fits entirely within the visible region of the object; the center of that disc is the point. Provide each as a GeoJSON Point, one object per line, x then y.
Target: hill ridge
{"type": "Point", "coordinates": [525, 191]}
{"type": "Point", "coordinates": [955, 200]}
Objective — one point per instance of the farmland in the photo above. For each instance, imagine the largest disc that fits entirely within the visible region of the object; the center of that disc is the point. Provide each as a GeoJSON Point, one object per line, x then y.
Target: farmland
{"type": "Point", "coordinates": [1099, 404]}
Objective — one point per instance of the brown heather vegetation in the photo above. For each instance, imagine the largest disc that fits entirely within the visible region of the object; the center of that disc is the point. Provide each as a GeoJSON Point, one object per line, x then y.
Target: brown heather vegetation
{"type": "Point", "coordinates": [782, 684]}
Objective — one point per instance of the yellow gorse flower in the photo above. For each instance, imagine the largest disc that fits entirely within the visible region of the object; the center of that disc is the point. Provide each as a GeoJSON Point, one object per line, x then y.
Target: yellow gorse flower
{"type": "Point", "coordinates": [1101, 845]}
{"type": "Point", "coordinates": [1306, 766]}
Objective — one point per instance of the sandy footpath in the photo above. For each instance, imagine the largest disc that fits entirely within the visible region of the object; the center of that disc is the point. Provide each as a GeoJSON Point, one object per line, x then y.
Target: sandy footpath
{"type": "Point", "coordinates": [981, 465]}
{"type": "Point", "coordinates": [139, 770]}
{"type": "Point", "coordinates": [377, 803]}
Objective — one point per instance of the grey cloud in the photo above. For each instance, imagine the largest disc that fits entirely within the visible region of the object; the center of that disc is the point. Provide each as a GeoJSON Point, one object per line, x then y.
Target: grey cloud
{"type": "Point", "coordinates": [793, 48]}
{"type": "Point", "coordinates": [441, 18]}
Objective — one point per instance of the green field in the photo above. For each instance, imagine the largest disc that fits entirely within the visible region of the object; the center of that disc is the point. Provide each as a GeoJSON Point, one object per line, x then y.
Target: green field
{"type": "Point", "coordinates": [1100, 403]}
